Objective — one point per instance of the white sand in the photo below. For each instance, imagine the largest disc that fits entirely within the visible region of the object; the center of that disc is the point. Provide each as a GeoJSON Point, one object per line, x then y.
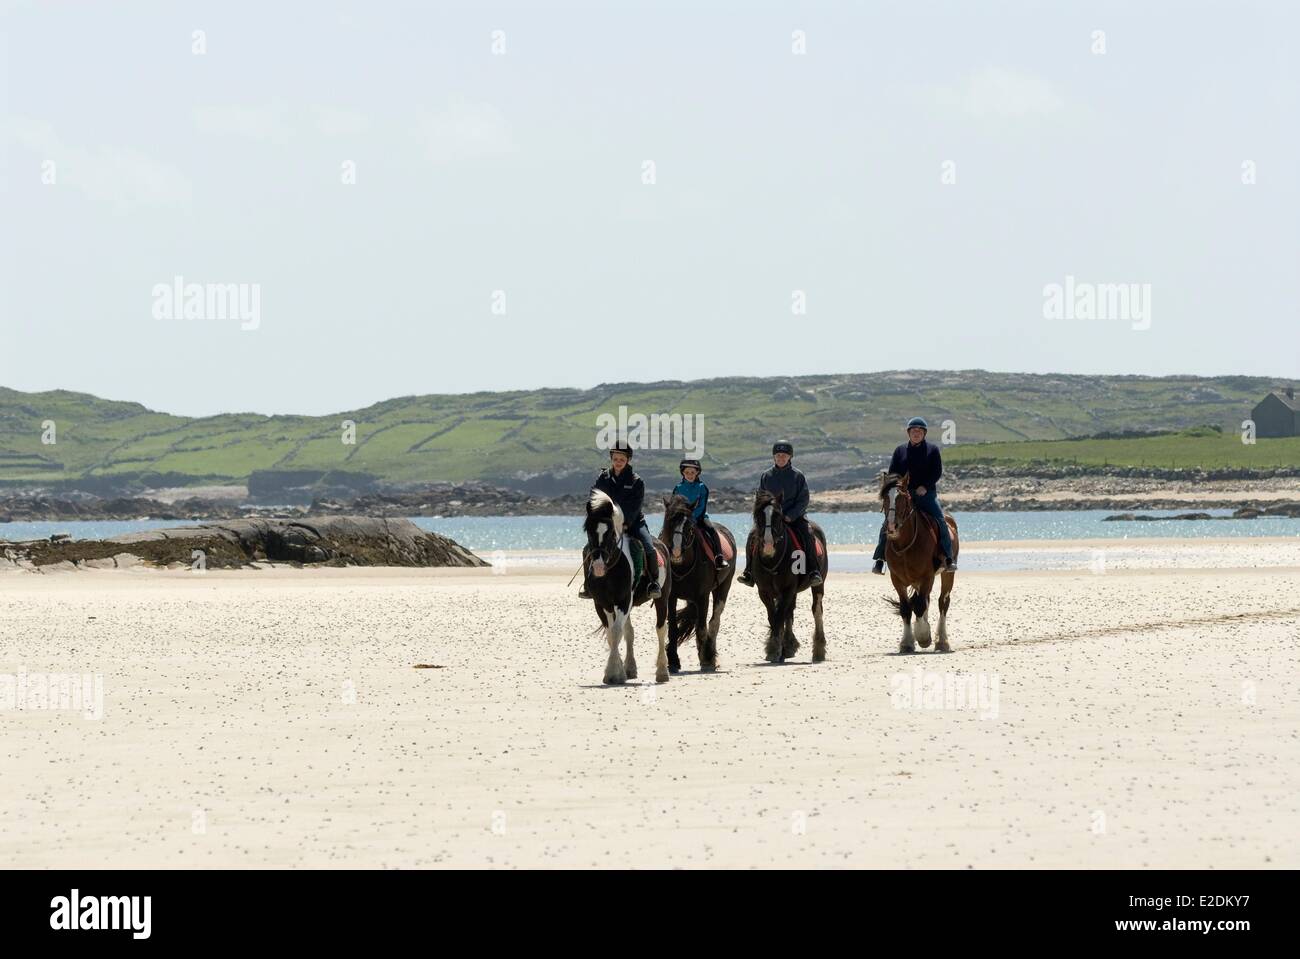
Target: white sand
{"type": "Point", "coordinates": [1144, 718]}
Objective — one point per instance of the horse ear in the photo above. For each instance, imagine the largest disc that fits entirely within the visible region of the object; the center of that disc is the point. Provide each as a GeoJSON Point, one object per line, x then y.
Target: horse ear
{"type": "Point", "coordinates": [903, 480]}
{"type": "Point", "coordinates": [668, 501]}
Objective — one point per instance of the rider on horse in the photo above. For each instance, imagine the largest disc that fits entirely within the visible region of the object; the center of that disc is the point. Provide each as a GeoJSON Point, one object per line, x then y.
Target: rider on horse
{"type": "Point", "coordinates": [696, 494]}
{"type": "Point", "coordinates": [625, 488]}
{"type": "Point", "coordinates": [920, 460]}
{"type": "Point", "coordinates": [787, 482]}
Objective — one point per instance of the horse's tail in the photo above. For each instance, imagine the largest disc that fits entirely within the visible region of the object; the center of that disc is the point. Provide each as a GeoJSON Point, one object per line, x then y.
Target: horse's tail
{"type": "Point", "coordinates": [686, 621]}
{"type": "Point", "coordinates": [897, 604]}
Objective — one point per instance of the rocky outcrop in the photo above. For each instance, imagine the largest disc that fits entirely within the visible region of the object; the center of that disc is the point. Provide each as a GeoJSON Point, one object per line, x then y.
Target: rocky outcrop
{"type": "Point", "coordinates": [329, 541]}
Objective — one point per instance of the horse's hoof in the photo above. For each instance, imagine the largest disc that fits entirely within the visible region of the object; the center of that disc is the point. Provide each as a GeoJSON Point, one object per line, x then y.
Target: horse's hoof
{"type": "Point", "coordinates": [923, 643]}
{"type": "Point", "coordinates": [942, 646]}
{"type": "Point", "coordinates": [614, 680]}
{"type": "Point", "coordinates": [661, 677]}
{"type": "Point", "coordinates": [708, 667]}
{"type": "Point", "coordinates": [674, 669]}
{"type": "Point", "coordinates": [631, 673]}
{"type": "Point", "coordinates": [904, 650]}
{"type": "Point", "coordinates": [819, 657]}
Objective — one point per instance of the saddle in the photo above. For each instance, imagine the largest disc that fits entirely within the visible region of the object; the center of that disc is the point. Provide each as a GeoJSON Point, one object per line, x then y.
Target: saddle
{"type": "Point", "coordinates": [638, 561]}
{"type": "Point", "coordinates": [728, 553]}
{"type": "Point", "coordinates": [795, 544]}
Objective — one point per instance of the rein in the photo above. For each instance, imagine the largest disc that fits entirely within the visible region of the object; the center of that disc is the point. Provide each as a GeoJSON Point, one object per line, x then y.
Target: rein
{"type": "Point", "coordinates": [911, 517]}
{"type": "Point", "coordinates": [695, 556]}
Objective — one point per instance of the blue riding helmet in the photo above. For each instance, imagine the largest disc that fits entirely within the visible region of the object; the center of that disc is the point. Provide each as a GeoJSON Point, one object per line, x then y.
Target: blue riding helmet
{"type": "Point", "coordinates": [917, 421]}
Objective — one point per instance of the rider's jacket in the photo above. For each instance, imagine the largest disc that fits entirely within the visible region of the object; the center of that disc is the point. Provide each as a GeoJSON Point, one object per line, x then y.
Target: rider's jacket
{"type": "Point", "coordinates": [625, 489]}
{"type": "Point", "coordinates": [792, 487]}
{"type": "Point", "coordinates": [697, 494]}
{"type": "Point", "coordinates": [921, 462]}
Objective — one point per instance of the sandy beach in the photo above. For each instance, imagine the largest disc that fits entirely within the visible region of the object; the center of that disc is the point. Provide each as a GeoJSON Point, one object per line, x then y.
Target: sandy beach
{"type": "Point", "coordinates": [1147, 715]}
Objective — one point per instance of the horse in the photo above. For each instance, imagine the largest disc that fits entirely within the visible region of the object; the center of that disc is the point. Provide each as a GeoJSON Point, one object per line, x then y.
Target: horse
{"type": "Point", "coordinates": [694, 578]}
{"type": "Point", "coordinates": [912, 552]}
{"type": "Point", "coordinates": [781, 573]}
{"type": "Point", "coordinates": [609, 574]}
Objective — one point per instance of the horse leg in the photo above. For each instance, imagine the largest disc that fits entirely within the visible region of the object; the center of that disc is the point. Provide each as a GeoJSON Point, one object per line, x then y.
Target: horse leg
{"type": "Point", "coordinates": [629, 661]}
{"type": "Point", "coordinates": [775, 628]}
{"type": "Point", "coordinates": [921, 608]}
{"type": "Point", "coordinates": [715, 621]}
{"type": "Point", "coordinates": [662, 617]}
{"type": "Point", "coordinates": [702, 644]}
{"type": "Point", "coordinates": [819, 634]}
{"type": "Point", "coordinates": [908, 645]}
{"type": "Point", "coordinates": [945, 597]}
{"type": "Point", "coordinates": [789, 645]}
{"type": "Point", "coordinates": [614, 673]}
{"type": "Point", "coordinates": [674, 663]}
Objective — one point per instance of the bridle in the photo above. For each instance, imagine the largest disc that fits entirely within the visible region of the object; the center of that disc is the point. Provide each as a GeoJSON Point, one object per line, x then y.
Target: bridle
{"type": "Point", "coordinates": [891, 513]}
{"type": "Point", "coordinates": [769, 511]}
{"type": "Point", "coordinates": [683, 540]}
{"type": "Point", "coordinates": [608, 555]}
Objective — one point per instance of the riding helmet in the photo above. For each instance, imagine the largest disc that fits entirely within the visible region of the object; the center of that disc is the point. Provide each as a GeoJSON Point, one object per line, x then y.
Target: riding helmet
{"type": "Point", "coordinates": [681, 467]}
{"type": "Point", "coordinates": [621, 447]}
{"type": "Point", "coordinates": [917, 421]}
{"type": "Point", "coordinates": [782, 447]}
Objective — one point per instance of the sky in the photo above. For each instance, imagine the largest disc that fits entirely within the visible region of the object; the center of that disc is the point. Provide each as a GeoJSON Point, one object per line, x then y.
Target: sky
{"type": "Point", "coordinates": [453, 197]}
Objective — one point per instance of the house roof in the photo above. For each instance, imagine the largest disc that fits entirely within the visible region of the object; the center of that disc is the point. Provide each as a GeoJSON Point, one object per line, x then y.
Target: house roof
{"type": "Point", "coordinates": [1288, 402]}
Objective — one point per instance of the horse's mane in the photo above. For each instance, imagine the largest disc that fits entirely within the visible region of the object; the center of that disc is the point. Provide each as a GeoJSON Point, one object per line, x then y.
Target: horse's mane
{"type": "Point", "coordinates": [676, 508]}
{"type": "Point", "coordinates": [601, 508]}
{"type": "Point", "coordinates": [887, 482]}
{"type": "Point", "coordinates": [763, 499]}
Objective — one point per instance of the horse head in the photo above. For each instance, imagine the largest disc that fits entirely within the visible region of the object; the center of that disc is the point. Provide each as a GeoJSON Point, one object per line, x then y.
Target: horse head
{"type": "Point", "coordinates": [768, 517]}
{"type": "Point", "coordinates": [604, 529]}
{"type": "Point", "coordinates": [895, 501]}
{"type": "Point", "coordinates": [679, 525]}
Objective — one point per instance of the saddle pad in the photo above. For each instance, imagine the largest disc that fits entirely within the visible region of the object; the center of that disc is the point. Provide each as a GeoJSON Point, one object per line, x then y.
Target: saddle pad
{"type": "Point", "coordinates": [638, 560]}
{"type": "Point", "coordinates": [817, 544]}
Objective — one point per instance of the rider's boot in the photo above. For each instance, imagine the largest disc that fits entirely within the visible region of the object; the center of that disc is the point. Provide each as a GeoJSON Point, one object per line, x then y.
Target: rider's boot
{"type": "Point", "coordinates": [720, 562]}
{"type": "Point", "coordinates": [746, 578]}
{"type": "Point", "coordinates": [879, 568]}
{"type": "Point", "coordinates": [949, 566]}
{"type": "Point", "coordinates": [582, 593]}
{"type": "Point", "coordinates": [816, 579]}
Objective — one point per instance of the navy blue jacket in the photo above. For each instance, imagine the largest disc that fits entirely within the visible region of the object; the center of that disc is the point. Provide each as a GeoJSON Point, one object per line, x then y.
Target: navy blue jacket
{"type": "Point", "coordinates": [626, 490]}
{"type": "Point", "coordinates": [921, 462]}
{"type": "Point", "coordinates": [789, 482]}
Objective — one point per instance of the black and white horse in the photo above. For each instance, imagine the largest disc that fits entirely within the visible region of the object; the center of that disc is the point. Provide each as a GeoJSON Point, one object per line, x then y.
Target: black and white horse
{"type": "Point", "coordinates": [781, 572]}
{"type": "Point", "coordinates": [608, 573]}
{"type": "Point", "coordinates": [694, 578]}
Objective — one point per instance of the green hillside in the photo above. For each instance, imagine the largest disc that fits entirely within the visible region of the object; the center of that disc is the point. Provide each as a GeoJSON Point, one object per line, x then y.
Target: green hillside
{"type": "Point", "coordinates": [841, 424]}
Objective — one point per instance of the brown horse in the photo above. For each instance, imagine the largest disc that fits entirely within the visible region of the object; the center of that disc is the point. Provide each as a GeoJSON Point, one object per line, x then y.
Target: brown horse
{"type": "Point", "coordinates": [913, 554]}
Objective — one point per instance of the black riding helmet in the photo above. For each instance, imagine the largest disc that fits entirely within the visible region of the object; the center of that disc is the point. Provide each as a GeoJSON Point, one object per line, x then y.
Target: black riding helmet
{"type": "Point", "coordinates": [681, 467]}
{"type": "Point", "coordinates": [621, 447]}
{"type": "Point", "coordinates": [781, 446]}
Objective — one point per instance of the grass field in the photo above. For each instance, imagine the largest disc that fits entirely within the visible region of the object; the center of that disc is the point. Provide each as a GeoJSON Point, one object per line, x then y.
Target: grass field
{"type": "Point", "coordinates": [1164, 452]}
{"type": "Point", "coordinates": [839, 424]}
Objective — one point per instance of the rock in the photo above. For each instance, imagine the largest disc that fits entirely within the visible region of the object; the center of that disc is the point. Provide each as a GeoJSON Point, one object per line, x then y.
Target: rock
{"type": "Point", "coordinates": [336, 540]}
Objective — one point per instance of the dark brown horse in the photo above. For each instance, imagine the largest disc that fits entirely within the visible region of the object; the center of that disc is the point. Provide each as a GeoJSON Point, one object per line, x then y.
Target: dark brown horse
{"type": "Point", "coordinates": [913, 554]}
{"type": "Point", "coordinates": [694, 579]}
{"type": "Point", "coordinates": [781, 572]}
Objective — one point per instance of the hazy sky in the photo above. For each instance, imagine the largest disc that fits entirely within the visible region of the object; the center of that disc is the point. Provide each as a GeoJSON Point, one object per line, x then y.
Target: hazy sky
{"type": "Point", "coordinates": [774, 171]}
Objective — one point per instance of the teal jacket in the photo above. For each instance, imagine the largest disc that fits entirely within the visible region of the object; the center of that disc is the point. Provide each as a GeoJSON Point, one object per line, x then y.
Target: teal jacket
{"type": "Point", "coordinates": [697, 494]}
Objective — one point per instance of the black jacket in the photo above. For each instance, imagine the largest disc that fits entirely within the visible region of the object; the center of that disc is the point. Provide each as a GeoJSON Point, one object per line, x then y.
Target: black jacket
{"type": "Point", "coordinates": [789, 482]}
{"type": "Point", "coordinates": [921, 462]}
{"type": "Point", "coordinates": [626, 490]}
